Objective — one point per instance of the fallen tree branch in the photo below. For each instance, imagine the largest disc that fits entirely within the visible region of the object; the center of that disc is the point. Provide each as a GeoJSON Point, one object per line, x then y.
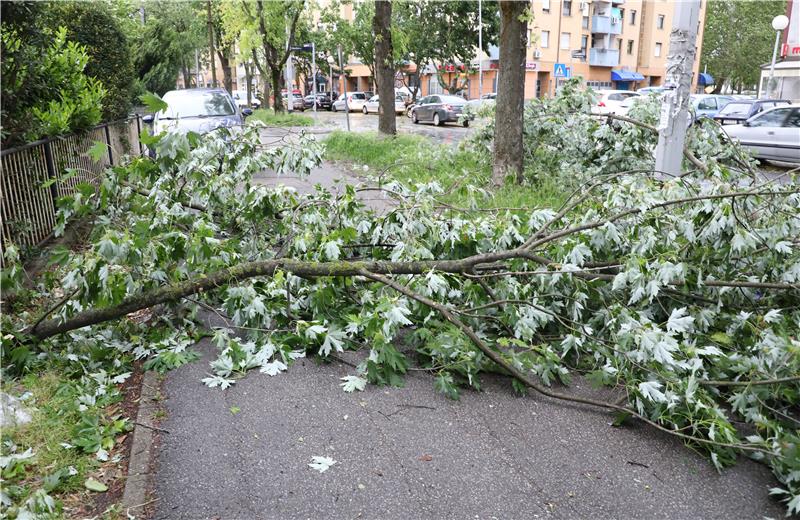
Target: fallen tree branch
{"type": "Point", "coordinates": [527, 381]}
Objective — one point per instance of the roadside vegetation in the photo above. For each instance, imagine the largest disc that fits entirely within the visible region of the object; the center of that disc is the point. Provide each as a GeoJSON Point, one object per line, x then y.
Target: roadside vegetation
{"type": "Point", "coordinates": [271, 118]}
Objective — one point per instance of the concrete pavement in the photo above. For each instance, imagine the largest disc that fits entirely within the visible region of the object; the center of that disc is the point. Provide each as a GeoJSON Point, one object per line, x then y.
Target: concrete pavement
{"type": "Point", "coordinates": [411, 453]}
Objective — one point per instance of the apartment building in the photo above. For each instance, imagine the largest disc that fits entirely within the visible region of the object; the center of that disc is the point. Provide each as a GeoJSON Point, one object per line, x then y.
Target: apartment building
{"type": "Point", "coordinates": [611, 44]}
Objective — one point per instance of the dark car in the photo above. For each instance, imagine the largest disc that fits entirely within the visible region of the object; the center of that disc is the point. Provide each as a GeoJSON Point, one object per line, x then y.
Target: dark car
{"type": "Point", "coordinates": [439, 109]}
{"type": "Point", "coordinates": [323, 101]}
{"type": "Point", "coordinates": [740, 110]}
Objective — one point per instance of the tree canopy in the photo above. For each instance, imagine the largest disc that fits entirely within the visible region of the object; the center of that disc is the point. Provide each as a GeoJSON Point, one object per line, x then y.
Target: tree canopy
{"type": "Point", "coordinates": [738, 39]}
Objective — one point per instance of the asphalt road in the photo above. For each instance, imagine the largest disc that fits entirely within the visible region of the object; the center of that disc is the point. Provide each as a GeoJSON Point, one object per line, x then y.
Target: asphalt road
{"type": "Point", "coordinates": [410, 453]}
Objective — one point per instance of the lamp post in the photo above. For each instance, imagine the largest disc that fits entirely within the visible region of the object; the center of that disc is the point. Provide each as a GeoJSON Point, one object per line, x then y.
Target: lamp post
{"type": "Point", "coordinates": [313, 49]}
{"type": "Point", "coordinates": [331, 61]}
{"type": "Point", "coordinates": [480, 49]}
{"type": "Point", "coordinates": [779, 23]}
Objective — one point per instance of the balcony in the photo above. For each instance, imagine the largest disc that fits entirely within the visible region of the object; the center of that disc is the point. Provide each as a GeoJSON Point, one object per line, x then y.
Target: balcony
{"type": "Point", "coordinates": [606, 25]}
{"type": "Point", "coordinates": [603, 57]}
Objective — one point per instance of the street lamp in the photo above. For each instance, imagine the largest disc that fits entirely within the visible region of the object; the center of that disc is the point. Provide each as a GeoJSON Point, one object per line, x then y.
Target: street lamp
{"type": "Point", "coordinates": [331, 61]}
{"type": "Point", "coordinates": [779, 23]}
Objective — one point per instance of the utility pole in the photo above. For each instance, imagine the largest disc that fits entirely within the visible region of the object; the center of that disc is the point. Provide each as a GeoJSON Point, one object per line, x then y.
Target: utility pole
{"type": "Point", "coordinates": [314, 77]}
{"type": "Point", "coordinates": [197, 81]}
{"type": "Point", "coordinates": [344, 86]}
{"type": "Point", "coordinates": [674, 118]}
{"type": "Point", "coordinates": [211, 44]}
{"type": "Point", "coordinates": [480, 49]}
{"type": "Point", "coordinates": [288, 71]}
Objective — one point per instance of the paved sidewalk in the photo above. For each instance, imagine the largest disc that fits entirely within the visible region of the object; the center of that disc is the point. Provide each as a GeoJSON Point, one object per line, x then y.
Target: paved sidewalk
{"type": "Point", "coordinates": [410, 453]}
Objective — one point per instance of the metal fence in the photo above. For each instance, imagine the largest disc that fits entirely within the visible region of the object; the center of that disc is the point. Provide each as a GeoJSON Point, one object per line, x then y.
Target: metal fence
{"type": "Point", "coordinates": [28, 213]}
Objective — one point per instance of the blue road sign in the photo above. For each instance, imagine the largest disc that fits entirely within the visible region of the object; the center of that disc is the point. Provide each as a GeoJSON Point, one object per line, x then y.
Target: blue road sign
{"type": "Point", "coordinates": [560, 70]}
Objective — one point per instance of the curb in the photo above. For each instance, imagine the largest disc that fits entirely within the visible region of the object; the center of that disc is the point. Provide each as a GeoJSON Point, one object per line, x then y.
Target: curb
{"type": "Point", "coordinates": [141, 456]}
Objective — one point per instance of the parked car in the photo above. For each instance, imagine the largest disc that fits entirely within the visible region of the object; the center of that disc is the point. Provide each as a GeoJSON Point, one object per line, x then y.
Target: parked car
{"type": "Point", "coordinates": [373, 105]}
{"type": "Point", "coordinates": [200, 110]}
{"type": "Point", "coordinates": [740, 110]}
{"type": "Point", "coordinates": [651, 90]}
{"type": "Point", "coordinates": [707, 105]}
{"type": "Point", "coordinates": [240, 96]}
{"type": "Point", "coordinates": [439, 109]}
{"type": "Point", "coordinates": [355, 101]}
{"type": "Point", "coordinates": [610, 101]}
{"type": "Point", "coordinates": [484, 99]}
{"type": "Point", "coordinates": [773, 134]}
{"type": "Point", "coordinates": [322, 100]}
{"type": "Point", "coordinates": [297, 102]}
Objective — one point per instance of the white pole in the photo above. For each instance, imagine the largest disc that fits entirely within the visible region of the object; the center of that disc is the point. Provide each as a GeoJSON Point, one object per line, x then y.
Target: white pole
{"type": "Point", "coordinates": [480, 50]}
{"type": "Point", "coordinates": [314, 77]}
{"type": "Point", "coordinates": [770, 90]}
{"type": "Point", "coordinates": [674, 118]}
{"type": "Point", "coordinates": [344, 87]}
{"type": "Point", "coordinates": [289, 96]}
{"type": "Point", "coordinates": [197, 79]}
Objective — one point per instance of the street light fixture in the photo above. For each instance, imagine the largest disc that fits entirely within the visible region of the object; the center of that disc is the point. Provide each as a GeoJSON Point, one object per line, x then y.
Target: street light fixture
{"type": "Point", "coordinates": [779, 23]}
{"type": "Point", "coordinates": [331, 62]}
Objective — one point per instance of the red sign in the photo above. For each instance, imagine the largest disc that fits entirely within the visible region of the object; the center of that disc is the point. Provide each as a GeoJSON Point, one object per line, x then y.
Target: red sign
{"type": "Point", "coordinates": [790, 50]}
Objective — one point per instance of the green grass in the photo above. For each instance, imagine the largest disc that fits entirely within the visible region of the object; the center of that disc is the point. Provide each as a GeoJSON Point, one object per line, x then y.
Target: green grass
{"type": "Point", "coordinates": [411, 158]}
{"type": "Point", "coordinates": [270, 118]}
{"type": "Point", "coordinates": [53, 417]}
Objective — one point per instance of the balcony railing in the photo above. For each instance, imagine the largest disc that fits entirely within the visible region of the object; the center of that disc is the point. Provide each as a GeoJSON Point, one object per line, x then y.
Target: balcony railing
{"type": "Point", "coordinates": [606, 25]}
{"type": "Point", "coordinates": [603, 57]}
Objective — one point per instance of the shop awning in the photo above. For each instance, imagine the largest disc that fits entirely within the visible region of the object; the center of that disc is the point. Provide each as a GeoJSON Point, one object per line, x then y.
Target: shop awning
{"type": "Point", "coordinates": [705, 79]}
{"type": "Point", "coordinates": [625, 75]}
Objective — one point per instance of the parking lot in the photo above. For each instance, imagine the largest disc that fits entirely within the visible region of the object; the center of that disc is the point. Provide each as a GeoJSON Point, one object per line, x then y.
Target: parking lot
{"type": "Point", "coordinates": [450, 133]}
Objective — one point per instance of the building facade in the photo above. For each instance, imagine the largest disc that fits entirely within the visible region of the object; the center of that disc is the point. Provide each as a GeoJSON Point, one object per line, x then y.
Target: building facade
{"type": "Point", "coordinates": [610, 44]}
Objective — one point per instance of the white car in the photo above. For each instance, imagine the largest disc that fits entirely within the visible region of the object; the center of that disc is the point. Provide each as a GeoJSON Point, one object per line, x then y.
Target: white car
{"type": "Point", "coordinates": [373, 104]}
{"type": "Point", "coordinates": [355, 101]}
{"type": "Point", "coordinates": [773, 134]}
{"type": "Point", "coordinates": [611, 101]}
{"type": "Point", "coordinates": [240, 96]}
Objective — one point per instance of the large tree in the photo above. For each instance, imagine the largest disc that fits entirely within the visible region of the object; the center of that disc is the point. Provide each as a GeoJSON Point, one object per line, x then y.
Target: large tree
{"type": "Point", "coordinates": [275, 25]}
{"type": "Point", "coordinates": [384, 65]}
{"type": "Point", "coordinates": [508, 150]}
{"type": "Point", "coordinates": [738, 38]}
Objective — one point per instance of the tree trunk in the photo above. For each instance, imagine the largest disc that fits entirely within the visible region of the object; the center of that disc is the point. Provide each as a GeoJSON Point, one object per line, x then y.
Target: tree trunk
{"type": "Point", "coordinates": [510, 92]}
{"type": "Point", "coordinates": [277, 103]}
{"type": "Point", "coordinates": [248, 77]}
{"type": "Point", "coordinates": [225, 63]}
{"type": "Point", "coordinates": [211, 45]}
{"type": "Point", "coordinates": [384, 66]}
{"type": "Point", "coordinates": [187, 77]}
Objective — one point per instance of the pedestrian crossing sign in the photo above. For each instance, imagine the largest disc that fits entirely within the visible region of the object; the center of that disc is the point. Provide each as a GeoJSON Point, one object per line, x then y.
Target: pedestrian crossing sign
{"type": "Point", "coordinates": [560, 70]}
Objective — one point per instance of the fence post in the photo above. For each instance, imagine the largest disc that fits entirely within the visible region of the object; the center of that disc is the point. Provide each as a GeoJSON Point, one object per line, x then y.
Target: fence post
{"type": "Point", "coordinates": [51, 172]}
{"type": "Point", "coordinates": [139, 133]}
{"type": "Point", "coordinates": [108, 142]}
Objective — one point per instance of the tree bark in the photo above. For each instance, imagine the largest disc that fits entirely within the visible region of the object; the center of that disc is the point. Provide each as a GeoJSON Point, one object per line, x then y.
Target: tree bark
{"type": "Point", "coordinates": [384, 65]}
{"type": "Point", "coordinates": [224, 62]}
{"type": "Point", "coordinates": [508, 151]}
{"type": "Point", "coordinates": [211, 45]}
{"type": "Point", "coordinates": [248, 77]}
{"type": "Point", "coordinates": [275, 75]}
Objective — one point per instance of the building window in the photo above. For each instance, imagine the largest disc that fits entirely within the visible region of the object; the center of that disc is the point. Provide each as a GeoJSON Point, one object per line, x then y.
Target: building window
{"type": "Point", "coordinates": [545, 43]}
{"type": "Point", "coordinates": [633, 17]}
{"type": "Point", "coordinates": [630, 46]}
{"type": "Point", "coordinates": [658, 50]}
{"type": "Point", "coordinates": [546, 6]}
{"type": "Point", "coordinates": [584, 43]}
{"type": "Point", "coordinates": [565, 41]}
{"type": "Point", "coordinates": [660, 21]}
{"type": "Point", "coordinates": [619, 45]}
{"type": "Point", "coordinates": [585, 22]}
{"type": "Point", "coordinates": [566, 8]}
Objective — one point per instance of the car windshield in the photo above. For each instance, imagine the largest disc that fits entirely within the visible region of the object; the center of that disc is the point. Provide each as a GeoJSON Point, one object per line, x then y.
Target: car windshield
{"type": "Point", "coordinates": [197, 104]}
{"type": "Point", "coordinates": [736, 109]}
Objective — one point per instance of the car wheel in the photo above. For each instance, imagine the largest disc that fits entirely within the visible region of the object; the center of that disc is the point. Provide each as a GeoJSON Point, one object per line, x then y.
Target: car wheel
{"type": "Point", "coordinates": [436, 120]}
{"type": "Point", "coordinates": [414, 117]}
{"type": "Point", "coordinates": [333, 108]}
{"type": "Point", "coordinates": [465, 124]}
{"type": "Point", "coordinates": [364, 109]}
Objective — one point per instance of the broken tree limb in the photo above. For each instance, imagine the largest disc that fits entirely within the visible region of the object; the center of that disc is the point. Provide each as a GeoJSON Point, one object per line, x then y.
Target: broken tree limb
{"type": "Point", "coordinates": [530, 383]}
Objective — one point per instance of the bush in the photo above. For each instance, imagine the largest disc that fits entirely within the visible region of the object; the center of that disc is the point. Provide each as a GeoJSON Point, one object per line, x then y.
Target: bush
{"type": "Point", "coordinates": [94, 26]}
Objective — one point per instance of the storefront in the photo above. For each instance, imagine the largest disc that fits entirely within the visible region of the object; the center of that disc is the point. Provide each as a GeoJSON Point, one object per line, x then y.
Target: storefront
{"type": "Point", "coordinates": [625, 79]}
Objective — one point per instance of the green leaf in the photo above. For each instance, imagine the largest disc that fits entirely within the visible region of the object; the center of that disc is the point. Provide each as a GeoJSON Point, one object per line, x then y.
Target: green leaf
{"type": "Point", "coordinates": [153, 102]}
{"type": "Point", "coordinates": [95, 485]}
{"type": "Point", "coordinates": [721, 337]}
{"type": "Point", "coordinates": [97, 151]}
{"type": "Point", "coordinates": [444, 383]}
{"type": "Point", "coordinates": [620, 418]}
{"type": "Point", "coordinates": [235, 409]}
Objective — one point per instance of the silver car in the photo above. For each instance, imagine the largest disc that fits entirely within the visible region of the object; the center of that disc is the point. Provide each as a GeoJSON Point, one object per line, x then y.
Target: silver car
{"type": "Point", "coordinates": [355, 102]}
{"type": "Point", "coordinates": [373, 105]}
{"type": "Point", "coordinates": [198, 110]}
{"type": "Point", "coordinates": [773, 134]}
{"type": "Point", "coordinates": [439, 109]}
